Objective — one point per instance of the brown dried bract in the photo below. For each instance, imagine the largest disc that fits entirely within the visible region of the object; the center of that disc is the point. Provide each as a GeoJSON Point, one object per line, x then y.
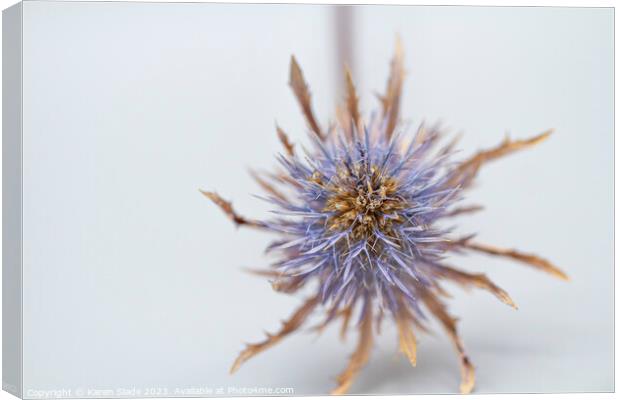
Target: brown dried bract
{"type": "Point", "coordinates": [288, 326]}
{"type": "Point", "coordinates": [281, 177]}
{"type": "Point", "coordinates": [288, 146]}
{"type": "Point", "coordinates": [226, 206]}
{"type": "Point", "coordinates": [437, 308]}
{"type": "Point", "coordinates": [335, 312]}
{"type": "Point", "coordinates": [360, 356]}
{"type": "Point", "coordinates": [530, 259]}
{"type": "Point", "coordinates": [391, 100]}
{"type": "Point", "coordinates": [467, 170]}
{"type": "Point", "coordinates": [268, 187]}
{"type": "Point", "coordinates": [346, 318]}
{"type": "Point", "coordinates": [352, 102]}
{"type": "Point", "coordinates": [406, 338]}
{"type": "Point", "coordinates": [280, 283]}
{"type": "Point", "coordinates": [302, 92]}
{"type": "Point", "coordinates": [464, 210]}
{"type": "Point", "coordinates": [481, 281]}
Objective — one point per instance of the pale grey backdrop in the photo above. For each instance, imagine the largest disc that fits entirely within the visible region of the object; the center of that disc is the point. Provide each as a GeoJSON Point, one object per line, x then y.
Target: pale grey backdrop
{"type": "Point", "coordinates": [132, 279]}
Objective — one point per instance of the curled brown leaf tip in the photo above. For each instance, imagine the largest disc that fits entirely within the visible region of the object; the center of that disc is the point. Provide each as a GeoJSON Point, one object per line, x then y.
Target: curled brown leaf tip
{"type": "Point", "coordinates": [467, 170]}
{"type": "Point", "coordinates": [288, 326]}
{"type": "Point", "coordinates": [288, 146]}
{"type": "Point", "coordinates": [391, 100]}
{"type": "Point", "coordinates": [359, 357]}
{"type": "Point", "coordinates": [302, 92]}
{"type": "Point", "coordinates": [529, 259]}
{"type": "Point", "coordinates": [226, 207]}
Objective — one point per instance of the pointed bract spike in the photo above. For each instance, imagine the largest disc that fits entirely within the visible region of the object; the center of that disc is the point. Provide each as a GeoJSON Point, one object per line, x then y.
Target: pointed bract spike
{"type": "Point", "coordinates": [468, 377]}
{"type": "Point", "coordinates": [406, 338]}
{"type": "Point", "coordinates": [481, 281]}
{"type": "Point", "coordinates": [437, 308]}
{"type": "Point", "coordinates": [465, 173]}
{"type": "Point", "coordinates": [451, 145]}
{"type": "Point", "coordinates": [288, 327]}
{"type": "Point", "coordinates": [332, 315]}
{"type": "Point", "coordinates": [464, 210]}
{"type": "Point", "coordinates": [287, 285]}
{"type": "Point", "coordinates": [526, 258]}
{"type": "Point", "coordinates": [226, 207]}
{"type": "Point", "coordinates": [263, 272]}
{"type": "Point", "coordinates": [360, 356]}
{"type": "Point", "coordinates": [269, 188]}
{"type": "Point", "coordinates": [391, 99]}
{"type": "Point", "coordinates": [302, 93]}
{"type": "Point", "coordinates": [288, 146]}
{"type": "Point", "coordinates": [346, 317]}
{"type": "Point", "coordinates": [352, 99]}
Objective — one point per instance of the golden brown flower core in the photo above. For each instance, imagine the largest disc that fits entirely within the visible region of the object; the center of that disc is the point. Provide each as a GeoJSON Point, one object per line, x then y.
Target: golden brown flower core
{"type": "Point", "coordinates": [362, 201]}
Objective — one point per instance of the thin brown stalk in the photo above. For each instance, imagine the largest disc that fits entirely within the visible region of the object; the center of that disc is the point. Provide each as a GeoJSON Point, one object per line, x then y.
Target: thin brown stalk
{"type": "Point", "coordinates": [359, 357]}
{"type": "Point", "coordinates": [288, 326]}
{"type": "Point", "coordinates": [526, 258]}
{"type": "Point", "coordinates": [438, 309]}
{"type": "Point", "coordinates": [286, 143]}
{"type": "Point", "coordinates": [226, 207]}
{"type": "Point", "coordinates": [302, 92]}
{"type": "Point", "coordinates": [467, 170]}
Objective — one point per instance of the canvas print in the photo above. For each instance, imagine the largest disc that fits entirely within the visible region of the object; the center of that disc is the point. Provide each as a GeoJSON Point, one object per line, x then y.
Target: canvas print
{"type": "Point", "coordinates": [291, 200]}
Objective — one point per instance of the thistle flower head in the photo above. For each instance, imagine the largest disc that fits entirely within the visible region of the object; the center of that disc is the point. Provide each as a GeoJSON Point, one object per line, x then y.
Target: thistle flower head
{"type": "Point", "coordinates": [364, 215]}
{"type": "Point", "coordinates": [363, 212]}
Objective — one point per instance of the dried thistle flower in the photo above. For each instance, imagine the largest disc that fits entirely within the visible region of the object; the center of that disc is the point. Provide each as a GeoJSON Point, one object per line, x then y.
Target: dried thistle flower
{"type": "Point", "coordinates": [361, 214]}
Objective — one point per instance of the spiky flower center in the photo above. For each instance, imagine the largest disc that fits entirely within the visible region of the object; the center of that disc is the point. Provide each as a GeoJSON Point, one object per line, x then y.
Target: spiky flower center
{"type": "Point", "coordinates": [362, 200]}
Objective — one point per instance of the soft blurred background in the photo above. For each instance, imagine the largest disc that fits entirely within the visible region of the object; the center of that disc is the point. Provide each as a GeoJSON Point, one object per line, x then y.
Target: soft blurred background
{"type": "Point", "coordinates": [133, 279]}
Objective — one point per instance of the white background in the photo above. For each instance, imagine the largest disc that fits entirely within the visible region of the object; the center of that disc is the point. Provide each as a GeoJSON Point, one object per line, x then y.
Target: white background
{"type": "Point", "coordinates": [478, 73]}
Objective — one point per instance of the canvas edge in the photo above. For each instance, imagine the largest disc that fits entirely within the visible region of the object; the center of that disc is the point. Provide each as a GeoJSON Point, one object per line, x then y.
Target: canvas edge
{"type": "Point", "coordinates": [12, 347]}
